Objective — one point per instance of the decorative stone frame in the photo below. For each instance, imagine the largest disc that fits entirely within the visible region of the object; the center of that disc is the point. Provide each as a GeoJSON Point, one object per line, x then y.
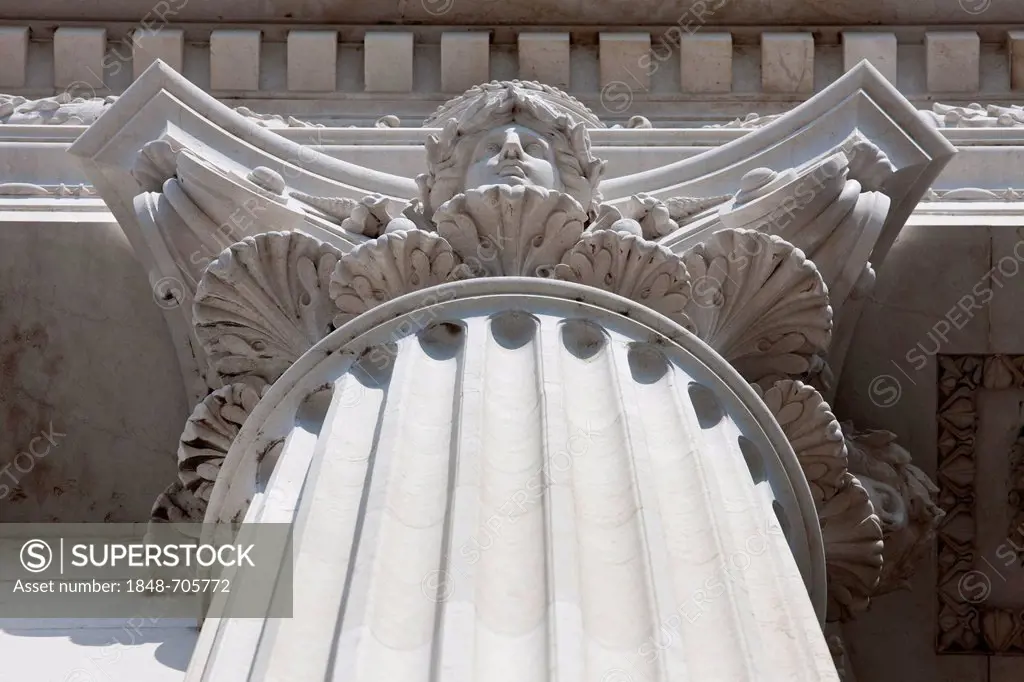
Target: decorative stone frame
{"type": "Point", "coordinates": [966, 623]}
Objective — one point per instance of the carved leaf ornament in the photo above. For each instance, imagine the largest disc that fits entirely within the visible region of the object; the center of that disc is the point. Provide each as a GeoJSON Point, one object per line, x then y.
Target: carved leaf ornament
{"type": "Point", "coordinates": [753, 297]}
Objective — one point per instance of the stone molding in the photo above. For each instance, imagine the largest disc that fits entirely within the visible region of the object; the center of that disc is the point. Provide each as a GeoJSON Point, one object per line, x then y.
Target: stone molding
{"type": "Point", "coordinates": [626, 73]}
{"type": "Point", "coordinates": [967, 622]}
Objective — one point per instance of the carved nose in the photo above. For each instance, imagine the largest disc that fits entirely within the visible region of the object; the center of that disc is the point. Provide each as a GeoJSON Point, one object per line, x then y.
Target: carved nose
{"type": "Point", "coordinates": [512, 149]}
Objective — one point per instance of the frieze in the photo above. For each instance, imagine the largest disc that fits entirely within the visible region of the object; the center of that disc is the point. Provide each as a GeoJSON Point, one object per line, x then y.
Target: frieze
{"type": "Point", "coordinates": [967, 622]}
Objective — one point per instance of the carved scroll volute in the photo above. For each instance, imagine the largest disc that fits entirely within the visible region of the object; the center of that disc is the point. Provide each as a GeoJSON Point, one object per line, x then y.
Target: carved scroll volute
{"type": "Point", "coordinates": [760, 303]}
{"type": "Point", "coordinates": [198, 209]}
{"type": "Point", "coordinates": [821, 212]}
{"type": "Point", "coordinates": [503, 230]}
{"type": "Point", "coordinates": [263, 303]}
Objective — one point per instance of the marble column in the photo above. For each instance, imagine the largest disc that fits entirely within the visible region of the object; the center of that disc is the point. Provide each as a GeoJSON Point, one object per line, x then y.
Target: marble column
{"type": "Point", "coordinates": [522, 479]}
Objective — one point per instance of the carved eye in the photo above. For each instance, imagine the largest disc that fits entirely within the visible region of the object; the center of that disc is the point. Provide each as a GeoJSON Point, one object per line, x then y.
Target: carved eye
{"type": "Point", "coordinates": [535, 149]}
{"type": "Point", "coordinates": [493, 148]}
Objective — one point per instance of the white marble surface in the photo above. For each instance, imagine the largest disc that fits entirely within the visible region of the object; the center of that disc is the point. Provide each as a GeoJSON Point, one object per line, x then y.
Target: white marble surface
{"type": "Point", "coordinates": [787, 62]}
{"type": "Point", "coordinates": [84, 346]}
{"type": "Point", "coordinates": [927, 273]}
{"type": "Point", "coordinates": [312, 60]}
{"type": "Point", "coordinates": [109, 650]}
{"type": "Point", "coordinates": [13, 55]}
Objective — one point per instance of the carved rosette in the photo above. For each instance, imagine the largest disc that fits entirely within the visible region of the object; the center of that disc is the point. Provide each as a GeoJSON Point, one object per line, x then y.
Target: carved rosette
{"type": "Point", "coordinates": [263, 303]}
{"type": "Point", "coordinates": [632, 267]}
{"type": "Point", "coordinates": [390, 266]}
{"type": "Point", "coordinates": [520, 231]}
{"type": "Point", "coordinates": [760, 303]}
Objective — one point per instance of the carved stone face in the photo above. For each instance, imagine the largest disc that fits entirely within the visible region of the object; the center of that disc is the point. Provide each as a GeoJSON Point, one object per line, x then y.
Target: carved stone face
{"type": "Point", "coordinates": [513, 155]}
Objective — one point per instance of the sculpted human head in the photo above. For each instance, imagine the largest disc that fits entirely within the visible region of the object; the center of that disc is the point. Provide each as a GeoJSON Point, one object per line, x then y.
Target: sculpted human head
{"type": "Point", "coordinates": [513, 155]}
{"type": "Point", "coordinates": [511, 133]}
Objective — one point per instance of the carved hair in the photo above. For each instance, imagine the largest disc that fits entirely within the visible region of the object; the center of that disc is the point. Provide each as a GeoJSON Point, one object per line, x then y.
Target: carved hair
{"type": "Point", "coordinates": [549, 111]}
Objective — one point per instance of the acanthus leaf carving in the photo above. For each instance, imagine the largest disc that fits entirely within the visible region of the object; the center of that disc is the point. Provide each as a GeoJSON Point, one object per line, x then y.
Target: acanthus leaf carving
{"type": "Point", "coordinates": [684, 210]}
{"type": "Point", "coordinates": [903, 497]}
{"type": "Point", "coordinates": [851, 530]}
{"type": "Point", "coordinates": [511, 230]}
{"type": "Point", "coordinates": [204, 443]}
{"type": "Point", "coordinates": [27, 189]}
{"type": "Point", "coordinates": [813, 431]}
{"type": "Point", "coordinates": [62, 109]}
{"type": "Point", "coordinates": [391, 265]}
{"type": "Point", "coordinates": [974, 116]}
{"type": "Point", "coordinates": [632, 267]}
{"type": "Point", "coordinates": [869, 165]}
{"type": "Point", "coordinates": [751, 120]}
{"type": "Point", "coordinates": [263, 303]}
{"type": "Point", "coordinates": [652, 214]}
{"type": "Point", "coordinates": [274, 120]}
{"type": "Point", "coordinates": [852, 534]}
{"type": "Point", "coordinates": [760, 303]}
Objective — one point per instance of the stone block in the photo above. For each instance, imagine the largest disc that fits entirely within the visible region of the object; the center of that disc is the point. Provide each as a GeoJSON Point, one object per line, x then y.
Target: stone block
{"type": "Point", "coordinates": [626, 58]}
{"type": "Point", "coordinates": [878, 48]}
{"type": "Point", "coordinates": [13, 56]}
{"type": "Point", "coordinates": [705, 62]}
{"type": "Point", "coordinates": [388, 62]}
{"type": "Point", "coordinates": [787, 62]}
{"type": "Point", "coordinates": [148, 45]}
{"type": "Point", "coordinates": [954, 61]}
{"type": "Point", "coordinates": [465, 59]}
{"type": "Point", "coordinates": [235, 59]}
{"type": "Point", "coordinates": [78, 58]}
{"type": "Point", "coordinates": [544, 57]}
{"type": "Point", "coordinates": [312, 60]}
{"type": "Point", "coordinates": [1015, 40]}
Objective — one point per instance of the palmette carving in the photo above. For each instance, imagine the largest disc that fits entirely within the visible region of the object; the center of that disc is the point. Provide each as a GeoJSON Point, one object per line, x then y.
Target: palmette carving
{"type": "Point", "coordinates": [208, 434]}
{"type": "Point", "coordinates": [814, 433]}
{"type": "Point", "coordinates": [263, 303]}
{"type": "Point", "coordinates": [390, 266]}
{"type": "Point", "coordinates": [632, 267]}
{"type": "Point", "coordinates": [760, 303]}
{"type": "Point", "coordinates": [850, 528]}
{"type": "Point", "coordinates": [853, 541]}
{"type": "Point", "coordinates": [504, 230]}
